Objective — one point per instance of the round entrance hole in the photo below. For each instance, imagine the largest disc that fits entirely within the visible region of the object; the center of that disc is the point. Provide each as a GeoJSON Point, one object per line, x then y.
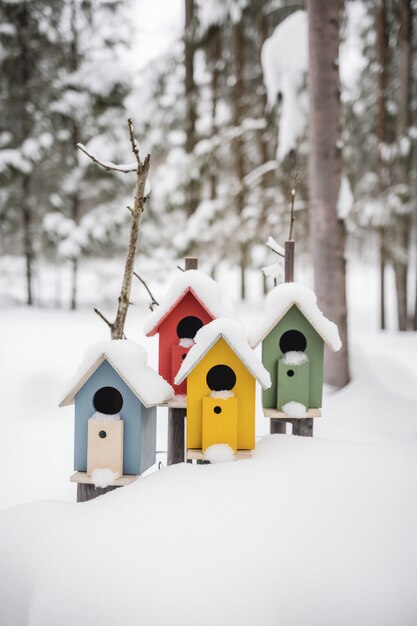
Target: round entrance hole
{"type": "Point", "coordinates": [221, 378]}
{"type": "Point", "coordinates": [217, 409]}
{"type": "Point", "coordinates": [108, 400]}
{"type": "Point", "coordinates": [188, 327]}
{"type": "Point", "coordinates": [290, 373]}
{"type": "Point", "coordinates": [102, 434]}
{"type": "Point", "coordinates": [293, 340]}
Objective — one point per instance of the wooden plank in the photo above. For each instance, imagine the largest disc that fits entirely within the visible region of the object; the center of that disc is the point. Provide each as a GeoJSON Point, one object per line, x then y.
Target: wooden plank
{"type": "Point", "coordinates": [83, 478]}
{"type": "Point", "coordinates": [273, 414]}
{"type": "Point", "coordinates": [198, 455]}
{"type": "Point", "coordinates": [176, 436]}
{"type": "Point", "coordinates": [219, 422]}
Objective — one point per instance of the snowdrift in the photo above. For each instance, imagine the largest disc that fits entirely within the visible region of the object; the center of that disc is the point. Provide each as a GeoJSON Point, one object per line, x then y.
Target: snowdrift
{"type": "Point", "coordinates": [308, 532]}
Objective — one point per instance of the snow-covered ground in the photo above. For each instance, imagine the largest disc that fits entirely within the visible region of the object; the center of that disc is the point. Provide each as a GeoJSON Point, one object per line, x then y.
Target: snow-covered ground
{"type": "Point", "coordinates": [307, 532]}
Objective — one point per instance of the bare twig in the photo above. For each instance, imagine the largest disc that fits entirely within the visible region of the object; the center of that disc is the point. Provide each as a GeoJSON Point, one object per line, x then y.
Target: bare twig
{"type": "Point", "coordinates": [125, 168]}
{"type": "Point", "coordinates": [100, 314]}
{"type": "Point", "coordinates": [133, 143]}
{"type": "Point", "coordinates": [292, 194]}
{"type": "Point", "coordinates": [147, 289]}
{"type": "Point", "coordinates": [180, 268]}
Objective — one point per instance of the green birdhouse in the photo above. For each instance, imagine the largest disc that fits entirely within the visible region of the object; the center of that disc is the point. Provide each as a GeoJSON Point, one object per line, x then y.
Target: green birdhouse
{"type": "Point", "coordinates": [293, 332]}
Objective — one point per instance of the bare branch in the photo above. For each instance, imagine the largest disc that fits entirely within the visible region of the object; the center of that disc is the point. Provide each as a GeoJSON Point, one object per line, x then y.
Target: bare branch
{"type": "Point", "coordinates": [100, 314]}
{"type": "Point", "coordinates": [125, 168]}
{"type": "Point", "coordinates": [129, 208]}
{"type": "Point", "coordinates": [147, 289]}
{"type": "Point", "coordinates": [135, 148]}
{"type": "Point", "coordinates": [180, 268]}
{"type": "Point", "coordinates": [292, 193]}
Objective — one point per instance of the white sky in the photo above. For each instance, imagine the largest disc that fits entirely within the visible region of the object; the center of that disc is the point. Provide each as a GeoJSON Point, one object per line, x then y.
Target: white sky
{"type": "Point", "coordinates": [158, 24]}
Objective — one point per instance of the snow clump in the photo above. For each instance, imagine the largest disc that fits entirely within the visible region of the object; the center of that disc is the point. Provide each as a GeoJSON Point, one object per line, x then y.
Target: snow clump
{"type": "Point", "coordinates": [186, 342]}
{"type": "Point", "coordinates": [219, 453]}
{"type": "Point", "coordinates": [223, 394]}
{"type": "Point", "coordinates": [294, 357]}
{"type": "Point", "coordinates": [294, 409]}
{"type": "Point", "coordinates": [104, 477]}
{"type": "Point", "coordinates": [104, 417]}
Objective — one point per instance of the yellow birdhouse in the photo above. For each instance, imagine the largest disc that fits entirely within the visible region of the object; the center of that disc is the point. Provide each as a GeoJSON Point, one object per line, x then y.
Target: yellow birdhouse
{"type": "Point", "coordinates": [221, 371]}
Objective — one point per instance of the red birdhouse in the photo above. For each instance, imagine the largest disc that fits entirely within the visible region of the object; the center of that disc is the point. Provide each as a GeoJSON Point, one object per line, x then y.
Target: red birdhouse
{"type": "Point", "coordinates": [192, 301]}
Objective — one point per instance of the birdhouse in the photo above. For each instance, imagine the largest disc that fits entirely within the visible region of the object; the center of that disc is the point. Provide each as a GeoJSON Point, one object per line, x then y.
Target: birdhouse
{"type": "Point", "coordinates": [293, 332]}
{"type": "Point", "coordinates": [221, 371]}
{"type": "Point", "coordinates": [115, 395]}
{"type": "Point", "coordinates": [193, 300]}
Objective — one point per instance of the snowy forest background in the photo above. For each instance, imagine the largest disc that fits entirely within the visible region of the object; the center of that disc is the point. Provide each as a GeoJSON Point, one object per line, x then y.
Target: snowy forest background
{"type": "Point", "coordinates": [227, 137]}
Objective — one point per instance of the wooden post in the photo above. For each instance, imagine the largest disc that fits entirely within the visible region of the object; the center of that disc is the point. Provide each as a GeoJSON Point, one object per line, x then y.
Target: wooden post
{"type": "Point", "coordinates": [278, 427]}
{"type": "Point", "coordinates": [176, 439]}
{"type": "Point", "coordinates": [289, 260]}
{"type": "Point", "coordinates": [87, 492]}
{"type": "Point", "coordinates": [302, 427]}
{"type": "Point", "coordinates": [176, 416]}
{"type": "Point", "coordinates": [191, 263]}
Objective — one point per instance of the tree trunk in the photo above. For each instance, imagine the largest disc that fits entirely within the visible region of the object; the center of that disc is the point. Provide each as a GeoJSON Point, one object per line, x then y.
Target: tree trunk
{"type": "Point", "coordinates": [27, 241]}
{"type": "Point", "coordinates": [325, 164]}
{"type": "Point", "coordinates": [403, 222]}
{"type": "Point", "coordinates": [191, 201]}
{"type": "Point", "coordinates": [238, 42]}
{"type": "Point", "coordinates": [215, 56]}
{"type": "Point", "coordinates": [75, 209]}
{"type": "Point", "coordinates": [382, 58]}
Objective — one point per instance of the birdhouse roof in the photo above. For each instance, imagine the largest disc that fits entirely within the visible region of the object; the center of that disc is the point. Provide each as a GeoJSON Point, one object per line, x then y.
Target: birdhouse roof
{"type": "Point", "coordinates": [235, 336]}
{"type": "Point", "coordinates": [203, 288]}
{"type": "Point", "coordinates": [128, 359]}
{"type": "Point", "coordinates": [278, 303]}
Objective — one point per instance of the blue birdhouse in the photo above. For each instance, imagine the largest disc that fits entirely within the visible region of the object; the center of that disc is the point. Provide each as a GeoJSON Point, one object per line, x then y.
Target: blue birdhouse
{"type": "Point", "coordinates": [115, 394]}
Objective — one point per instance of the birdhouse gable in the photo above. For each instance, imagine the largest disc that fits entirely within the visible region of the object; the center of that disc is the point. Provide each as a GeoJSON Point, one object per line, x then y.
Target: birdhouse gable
{"type": "Point", "coordinates": [128, 360]}
{"type": "Point", "coordinates": [203, 288]}
{"type": "Point", "coordinates": [234, 335]}
{"type": "Point", "coordinates": [280, 301]}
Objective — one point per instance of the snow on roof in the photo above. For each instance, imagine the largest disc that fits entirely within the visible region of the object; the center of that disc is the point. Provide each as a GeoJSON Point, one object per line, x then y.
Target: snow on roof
{"type": "Point", "coordinates": [234, 334]}
{"type": "Point", "coordinates": [204, 288]}
{"type": "Point", "coordinates": [128, 359]}
{"type": "Point", "coordinates": [280, 300]}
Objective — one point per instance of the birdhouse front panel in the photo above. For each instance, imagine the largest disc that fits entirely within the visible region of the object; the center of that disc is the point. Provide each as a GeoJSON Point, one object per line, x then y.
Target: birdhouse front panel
{"type": "Point", "coordinates": [293, 383]}
{"type": "Point", "coordinates": [220, 370]}
{"type": "Point", "coordinates": [105, 445]}
{"type": "Point", "coordinates": [219, 423]}
{"type": "Point", "coordinates": [105, 392]}
{"type": "Point", "coordinates": [293, 333]}
{"type": "Point", "coordinates": [182, 324]}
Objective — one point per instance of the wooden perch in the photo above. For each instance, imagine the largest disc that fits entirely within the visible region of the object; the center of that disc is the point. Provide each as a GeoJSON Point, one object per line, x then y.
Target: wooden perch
{"type": "Point", "coordinates": [141, 168]}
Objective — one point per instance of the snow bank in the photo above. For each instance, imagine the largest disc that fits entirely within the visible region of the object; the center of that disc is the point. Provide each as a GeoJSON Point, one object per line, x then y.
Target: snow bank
{"type": "Point", "coordinates": [206, 290]}
{"type": "Point", "coordinates": [104, 477]}
{"type": "Point", "coordinates": [284, 62]}
{"type": "Point", "coordinates": [294, 409]}
{"type": "Point", "coordinates": [219, 453]}
{"type": "Point", "coordinates": [235, 335]}
{"type": "Point", "coordinates": [294, 357]}
{"type": "Point", "coordinates": [279, 300]}
{"type": "Point", "coordinates": [129, 360]}
{"type": "Point", "coordinates": [307, 532]}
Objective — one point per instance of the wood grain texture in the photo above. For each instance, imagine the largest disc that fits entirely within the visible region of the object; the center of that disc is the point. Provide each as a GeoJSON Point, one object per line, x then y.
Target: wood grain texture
{"type": "Point", "coordinates": [86, 492]}
{"type": "Point", "coordinates": [176, 436]}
